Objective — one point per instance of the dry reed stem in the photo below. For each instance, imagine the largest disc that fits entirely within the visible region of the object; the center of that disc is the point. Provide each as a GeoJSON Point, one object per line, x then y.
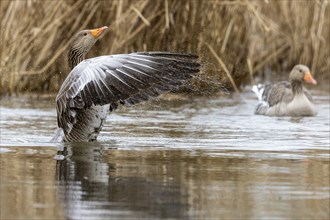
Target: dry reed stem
{"type": "Point", "coordinates": [318, 35]}
{"type": "Point", "coordinates": [276, 53]}
{"type": "Point", "coordinates": [249, 64]}
{"type": "Point", "coordinates": [167, 18]}
{"type": "Point", "coordinates": [248, 36]}
{"type": "Point", "coordinates": [223, 47]}
{"type": "Point", "coordinates": [141, 16]}
{"type": "Point", "coordinates": [223, 67]}
{"type": "Point", "coordinates": [261, 21]}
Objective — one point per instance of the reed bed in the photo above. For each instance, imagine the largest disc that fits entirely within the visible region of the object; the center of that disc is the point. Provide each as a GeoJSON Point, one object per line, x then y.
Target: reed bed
{"type": "Point", "coordinates": [236, 40]}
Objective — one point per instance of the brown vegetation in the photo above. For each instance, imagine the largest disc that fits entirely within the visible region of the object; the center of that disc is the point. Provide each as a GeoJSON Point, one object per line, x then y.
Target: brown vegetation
{"type": "Point", "coordinates": [235, 39]}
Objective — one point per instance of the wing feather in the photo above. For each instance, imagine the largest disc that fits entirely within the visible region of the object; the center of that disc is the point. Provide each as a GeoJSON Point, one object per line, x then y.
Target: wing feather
{"type": "Point", "coordinates": [276, 93]}
{"type": "Point", "coordinates": [124, 78]}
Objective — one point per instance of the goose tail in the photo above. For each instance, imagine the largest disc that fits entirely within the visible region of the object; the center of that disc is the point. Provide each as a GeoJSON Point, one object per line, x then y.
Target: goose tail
{"type": "Point", "coordinates": [259, 91]}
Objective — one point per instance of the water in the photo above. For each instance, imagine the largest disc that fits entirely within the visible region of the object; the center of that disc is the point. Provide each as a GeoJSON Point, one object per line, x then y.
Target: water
{"type": "Point", "coordinates": [168, 159]}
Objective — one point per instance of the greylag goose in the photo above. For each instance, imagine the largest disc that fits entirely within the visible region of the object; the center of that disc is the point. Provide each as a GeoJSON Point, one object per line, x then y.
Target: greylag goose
{"type": "Point", "coordinates": [98, 85]}
{"type": "Point", "coordinates": [287, 98]}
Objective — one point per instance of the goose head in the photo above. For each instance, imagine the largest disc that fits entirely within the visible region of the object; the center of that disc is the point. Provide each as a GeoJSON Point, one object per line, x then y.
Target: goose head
{"type": "Point", "coordinates": [301, 73]}
{"type": "Point", "coordinates": [81, 43]}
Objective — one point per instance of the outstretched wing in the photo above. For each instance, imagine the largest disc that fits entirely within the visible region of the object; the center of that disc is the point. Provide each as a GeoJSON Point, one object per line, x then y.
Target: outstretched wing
{"type": "Point", "coordinates": [122, 78]}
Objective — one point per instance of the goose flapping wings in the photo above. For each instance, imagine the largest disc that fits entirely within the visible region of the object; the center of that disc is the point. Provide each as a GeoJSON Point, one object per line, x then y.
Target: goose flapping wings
{"type": "Point", "coordinates": [98, 85]}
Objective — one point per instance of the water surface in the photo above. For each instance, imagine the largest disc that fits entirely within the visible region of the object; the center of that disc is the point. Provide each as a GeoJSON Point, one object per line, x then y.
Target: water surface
{"type": "Point", "coordinates": [168, 159]}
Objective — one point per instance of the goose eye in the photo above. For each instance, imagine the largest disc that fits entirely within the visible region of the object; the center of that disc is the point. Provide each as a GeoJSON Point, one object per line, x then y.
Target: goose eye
{"type": "Point", "coordinates": [85, 34]}
{"type": "Point", "coordinates": [300, 70]}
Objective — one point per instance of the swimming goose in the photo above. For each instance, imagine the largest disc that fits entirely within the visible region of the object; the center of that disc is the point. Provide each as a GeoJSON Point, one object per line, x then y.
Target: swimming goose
{"type": "Point", "coordinates": [97, 85]}
{"type": "Point", "coordinates": [287, 99]}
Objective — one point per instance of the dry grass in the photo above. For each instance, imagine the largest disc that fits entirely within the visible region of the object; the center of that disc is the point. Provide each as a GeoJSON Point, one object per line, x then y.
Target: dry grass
{"type": "Point", "coordinates": [246, 36]}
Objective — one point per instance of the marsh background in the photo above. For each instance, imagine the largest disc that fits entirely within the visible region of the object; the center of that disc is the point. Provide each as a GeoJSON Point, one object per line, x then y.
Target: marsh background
{"type": "Point", "coordinates": [201, 156]}
{"type": "Point", "coordinates": [251, 38]}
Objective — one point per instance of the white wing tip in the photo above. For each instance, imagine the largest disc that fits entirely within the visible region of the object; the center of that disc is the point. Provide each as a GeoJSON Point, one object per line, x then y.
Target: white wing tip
{"type": "Point", "coordinates": [258, 90]}
{"type": "Point", "coordinates": [255, 89]}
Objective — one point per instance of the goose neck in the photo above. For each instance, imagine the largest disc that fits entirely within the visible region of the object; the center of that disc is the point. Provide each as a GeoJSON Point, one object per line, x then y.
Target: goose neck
{"type": "Point", "coordinates": [75, 56]}
{"type": "Point", "coordinates": [297, 87]}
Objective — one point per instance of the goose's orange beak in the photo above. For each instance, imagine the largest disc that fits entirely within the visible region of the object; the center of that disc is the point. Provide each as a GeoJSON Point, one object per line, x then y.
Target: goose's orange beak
{"type": "Point", "coordinates": [96, 33]}
{"type": "Point", "coordinates": [309, 78]}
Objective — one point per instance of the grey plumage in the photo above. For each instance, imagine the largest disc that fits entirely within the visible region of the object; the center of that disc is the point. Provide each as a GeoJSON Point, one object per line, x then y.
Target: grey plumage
{"type": "Point", "coordinates": [98, 85]}
{"type": "Point", "coordinates": [287, 98]}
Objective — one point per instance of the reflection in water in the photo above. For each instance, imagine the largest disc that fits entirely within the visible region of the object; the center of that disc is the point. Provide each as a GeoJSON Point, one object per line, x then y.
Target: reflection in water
{"type": "Point", "coordinates": [27, 184]}
{"type": "Point", "coordinates": [296, 119]}
{"type": "Point", "coordinates": [96, 181]}
{"type": "Point", "coordinates": [94, 185]}
{"type": "Point", "coordinates": [187, 159]}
